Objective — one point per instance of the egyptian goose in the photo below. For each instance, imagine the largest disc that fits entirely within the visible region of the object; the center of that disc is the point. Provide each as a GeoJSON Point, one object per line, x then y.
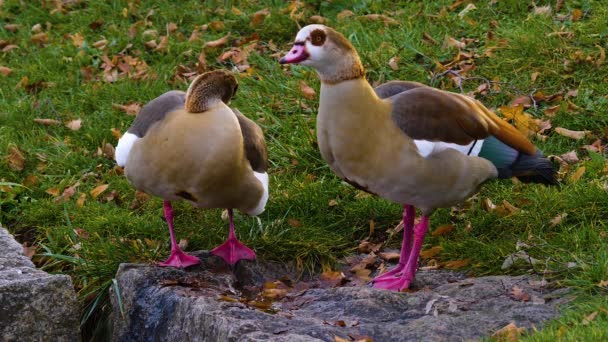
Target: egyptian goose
{"type": "Point", "coordinates": [407, 142]}
{"type": "Point", "coordinates": [191, 146]}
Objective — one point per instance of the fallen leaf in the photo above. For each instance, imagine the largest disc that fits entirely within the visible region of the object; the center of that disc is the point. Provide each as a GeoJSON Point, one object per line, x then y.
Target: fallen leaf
{"type": "Point", "coordinates": [442, 230]}
{"type": "Point", "coordinates": [571, 134]}
{"type": "Point", "coordinates": [294, 223]}
{"type": "Point", "coordinates": [431, 252]}
{"type": "Point", "coordinates": [466, 10]}
{"type": "Point", "coordinates": [116, 133]}
{"type": "Point", "coordinates": [130, 109]}
{"type": "Point", "coordinates": [551, 111]}
{"type": "Point", "coordinates": [67, 193]}
{"type": "Point", "coordinates": [11, 27]}
{"type": "Point", "coordinates": [218, 42]}
{"type": "Point", "coordinates": [509, 333]}
{"type": "Point", "coordinates": [340, 339]}
{"type": "Point", "coordinates": [74, 125]}
{"type": "Point", "coordinates": [600, 60]}
{"type": "Point", "coordinates": [534, 76]}
{"type": "Point", "coordinates": [389, 256]}
{"type": "Point", "coordinates": [603, 283]}
{"type": "Point", "coordinates": [368, 247]}
{"type": "Point", "coordinates": [52, 191]}
{"type": "Point", "coordinates": [47, 122]}
{"type": "Point", "coordinates": [452, 42]}
{"type": "Point", "coordinates": [519, 294]}
{"type": "Point", "coordinates": [77, 39]}
{"type": "Point", "coordinates": [40, 38]}
{"type": "Point", "coordinates": [100, 44]}
{"type": "Point", "coordinates": [488, 205]}
{"type": "Point", "coordinates": [171, 27]}
{"type": "Point", "coordinates": [98, 190]}
{"type": "Point", "coordinates": [30, 181]}
{"type": "Point", "coordinates": [307, 91]}
{"type": "Point", "coordinates": [456, 264]}
{"type": "Point", "coordinates": [15, 159]}
{"type": "Point", "coordinates": [259, 16]}
{"type": "Point", "coordinates": [558, 219]}
{"type": "Point", "coordinates": [510, 207]}
{"type": "Point", "coordinates": [393, 63]}
{"type": "Point", "coordinates": [344, 14]}
{"type": "Point", "coordinates": [317, 19]}
{"type": "Point", "coordinates": [5, 70]}
{"type": "Point", "coordinates": [81, 199]}
{"type": "Point", "coordinates": [428, 38]}
{"type": "Point", "coordinates": [36, 28]}
{"type": "Point", "coordinates": [570, 157]}
{"type": "Point", "coordinates": [332, 203]}
{"type": "Point", "coordinates": [589, 318]}
{"type": "Point", "coordinates": [368, 261]}
{"type": "Point", "coordinates": [29, 251]}
{"type": "Point", "coordinates": [577, 174]}
{"type": "Point", "coordinates": [163, 44]}
{"type": "Point", "coordinates": [543, 10]}
{"type": "Point", "coordinates": [576, 14]}
{"type": "Point", "coordinates": [386, 19]}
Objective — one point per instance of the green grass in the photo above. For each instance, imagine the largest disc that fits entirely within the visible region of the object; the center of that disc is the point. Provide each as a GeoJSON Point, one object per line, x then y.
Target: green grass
{"type": "Point", "coordinates": [299, 226]}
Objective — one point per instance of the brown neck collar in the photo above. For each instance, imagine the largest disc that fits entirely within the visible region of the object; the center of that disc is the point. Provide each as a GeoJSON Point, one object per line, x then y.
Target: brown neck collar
{"type": "Point", "coordinates": [350, 69]}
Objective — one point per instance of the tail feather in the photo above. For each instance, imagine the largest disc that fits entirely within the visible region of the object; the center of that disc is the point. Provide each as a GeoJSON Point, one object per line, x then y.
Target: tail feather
{"type": "Point", "coordinates": [511, 163]}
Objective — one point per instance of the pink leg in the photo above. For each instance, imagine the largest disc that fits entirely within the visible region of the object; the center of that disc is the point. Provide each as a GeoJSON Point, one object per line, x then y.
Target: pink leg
{"type": "Point", "coordinates": [177, 258]}
{"type": "Point", "coordinates": [409, 214]}
{"type": "Point", "coordinates": [402, 281]}
{"type": "Point", "coordinates": [233, 250]}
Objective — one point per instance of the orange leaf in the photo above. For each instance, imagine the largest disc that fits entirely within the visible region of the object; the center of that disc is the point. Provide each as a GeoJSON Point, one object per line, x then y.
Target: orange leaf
{"type": "Point", "coordinates": [576, 14]}
{"type": "Point", "coordinates": [442, 230]}
{"type": "Point", "coordinates": [259, 16]}
{"type": "Point", "coordinates": [53, 191]}
{"type": "Point", "coordinates": [116, 133]}
{"type": "Point", "coordinates": [577, 174]}
{"type": "Point", "coordinates": [81, 199]}
{"type": "Point", "coordinates": [77, 39]}
{"type": "Point", "coordinates": [456, 264]}
{"type": "Point", "coordinates": [98, 190]}
{"type": "Point", "coordinates": [431, 252]}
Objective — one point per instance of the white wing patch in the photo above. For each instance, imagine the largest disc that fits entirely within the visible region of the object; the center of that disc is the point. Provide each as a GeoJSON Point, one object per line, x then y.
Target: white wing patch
{"type": "Point", "coordinates": [125, 143]}
{"type": "Point", "coordinates": [263, 178]}
{"type": "Point", "coordinates": [426, 148]}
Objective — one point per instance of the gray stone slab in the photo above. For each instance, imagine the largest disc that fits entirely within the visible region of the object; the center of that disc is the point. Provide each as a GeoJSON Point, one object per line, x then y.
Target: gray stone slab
{"type": "Point", "coordinates": [34, 305]}
{"type": "Point", "coordinates": [166, 304]}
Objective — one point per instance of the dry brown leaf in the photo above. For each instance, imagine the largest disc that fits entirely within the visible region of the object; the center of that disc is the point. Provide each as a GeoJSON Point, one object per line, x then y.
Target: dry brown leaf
{"type": "Point", "coordinates": [47, 122]}
{"type": "Point", "coordinates": [116, 133]}
{"type": "Point", "coordinates": [517, 293]}
{"type": "Point", "coordinates": [428, 38]}
{"type": "Point", "coordinates": [442, 230]}
{"type": "Point", "coordinates": [600, 60]}
{"type": "Point", "coordinates": [389, 256]}
{"type": "Point", "coordinates": [307, 91]}
{"type": "Point", "coordinates": [74, 125]}
{"type": "Point", "coordinates": [294, 223]}
{"type": "Point", "coordinates": [570, 157]}
{"type": "Point", "coordinates": [218, 42]}
{"type": "Point", "coordinates": [368, 247]}
{"type": "Point", "coordinates": [98, 190]}
{"type": "Point", "coordinates": [81, 199]}
{"type": "Point", "coordinates": [551, 111]}
{"type": "Point", "coordinates": [130, 109]}
{"type": "Point", "coordinates": [171, 27]}
{"type": "Point", "coordinates": [393, 63]}
{"type": "Point", "coordinates": [510, 207]}
{"type": "Point", "coordinates": [216, 25]}
{"type": "Point", "coordinates": [5, 70]}
{"type": "Point", "coordinates": [543, 10]}
{"type": "Point", "coordinates": [317, 19]}
{"type": "Point", "coordinates": [332, 203]}
{"type": "Point", "coordinates": [30, 181]}
{"type": "Point", "coordinates": [163, 44]}
{"type": "Point", "coordinates": [344, 14]}
{"type": "Point", "coordinates": [509, 333]}
{"type": "Point", "coordinates": [259, 16]}
{"type": "Point", "coordinates": [40, 38]}
{"type": "Point", "coordinates": [456, 264]}
{"type": "Point", "coordinates": [603, 283]}
{"type": "Point", "coordinates": [386, 19]}
{"type": "Point", "coordinates": [29, 251]}
{"type": "Point", "coordinates": [37, 28]}
{"type": "Point", "coordinates": [577, 174]}
{"type": "Point", "coordinates": [558, 219]}
{"type": "Point", "coordinates": [571, 134]}
{"type": "Point", "coordinates": [452, 42]}
{"type": "Point", "coordinates": [15, 159]}
{"type": "Point", "coordinates": [488, 205]}
{"type": "Point", "coordinates": [589, 318]}
{"type": "Point", "coordinates": [431, 252]}
{"type": "Point", "coordinates": [77, 39]}
{"type": "Point", "coordinates": [53, 191]}
{"type": "Point", "coordinates": [534, 76]}
{"type": "Point", "coordinates": [151, 44]}
{"type": "Point", "coordinates": [67, 193]}
{"type": "Point", "coordinates": [9, 47]}
{"type": "Point", "coordinates": [577, 14]}
{"type": "Point", "coordinates": [100, 44]}
{"type": "Point", "coordinates": [11, 27]}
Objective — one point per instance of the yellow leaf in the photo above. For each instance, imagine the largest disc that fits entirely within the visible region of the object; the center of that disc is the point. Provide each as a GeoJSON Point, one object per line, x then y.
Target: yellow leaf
{"type": "Point", "coordinates": [576, 14]}
{"type": "Point", "coordinates": [509, 333]}
{"type": "Point", "coordinates": [53, 191]}
{"type": "Point", "coordinates": [81, 199]}
{"type": "Point", "coordinates": [456, 264]}
{"type": "Point", "coordinates": [577, 174]}
{"type": "Point", "coordinates": [77, 39]}
{"type": "Point", "coordinates": [98, 190]}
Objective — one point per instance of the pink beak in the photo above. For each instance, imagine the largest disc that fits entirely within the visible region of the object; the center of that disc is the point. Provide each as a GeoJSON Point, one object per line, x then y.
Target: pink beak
{"type": "Point", "coordinates": [296, 55]}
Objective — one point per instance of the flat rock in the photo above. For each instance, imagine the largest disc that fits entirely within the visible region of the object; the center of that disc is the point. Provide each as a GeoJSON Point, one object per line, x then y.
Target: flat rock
{"type": "Point", "coordinates": [212, 302]}
{"type": "Point", "coordinates": [34, 305]}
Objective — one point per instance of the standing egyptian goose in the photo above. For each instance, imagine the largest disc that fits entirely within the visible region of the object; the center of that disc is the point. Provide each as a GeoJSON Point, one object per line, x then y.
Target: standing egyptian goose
{"type": "Point", "coordinates": [406, 142]}
{"type": "Point", "coordinates": [191, 146]}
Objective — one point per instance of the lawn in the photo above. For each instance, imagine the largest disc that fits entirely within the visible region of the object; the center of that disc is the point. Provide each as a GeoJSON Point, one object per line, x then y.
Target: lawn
{"type": "Point", "coordinates": [73, 73]}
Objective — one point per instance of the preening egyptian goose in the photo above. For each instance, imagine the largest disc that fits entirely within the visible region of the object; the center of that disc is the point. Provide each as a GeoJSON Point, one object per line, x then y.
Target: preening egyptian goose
{"type": "Point", "coordinates": [191, 146]}
{"type": "Point", "coordinates": [407, 142]}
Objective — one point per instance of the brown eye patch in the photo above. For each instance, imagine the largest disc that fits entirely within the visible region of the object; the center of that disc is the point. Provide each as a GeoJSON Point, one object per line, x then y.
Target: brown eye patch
{"type": "Point", "coordinates": [317, 37]}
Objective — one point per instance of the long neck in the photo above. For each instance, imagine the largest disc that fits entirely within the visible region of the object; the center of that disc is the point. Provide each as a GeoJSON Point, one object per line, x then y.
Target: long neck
{"type": "Point", "coordinates": [349, 68]}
